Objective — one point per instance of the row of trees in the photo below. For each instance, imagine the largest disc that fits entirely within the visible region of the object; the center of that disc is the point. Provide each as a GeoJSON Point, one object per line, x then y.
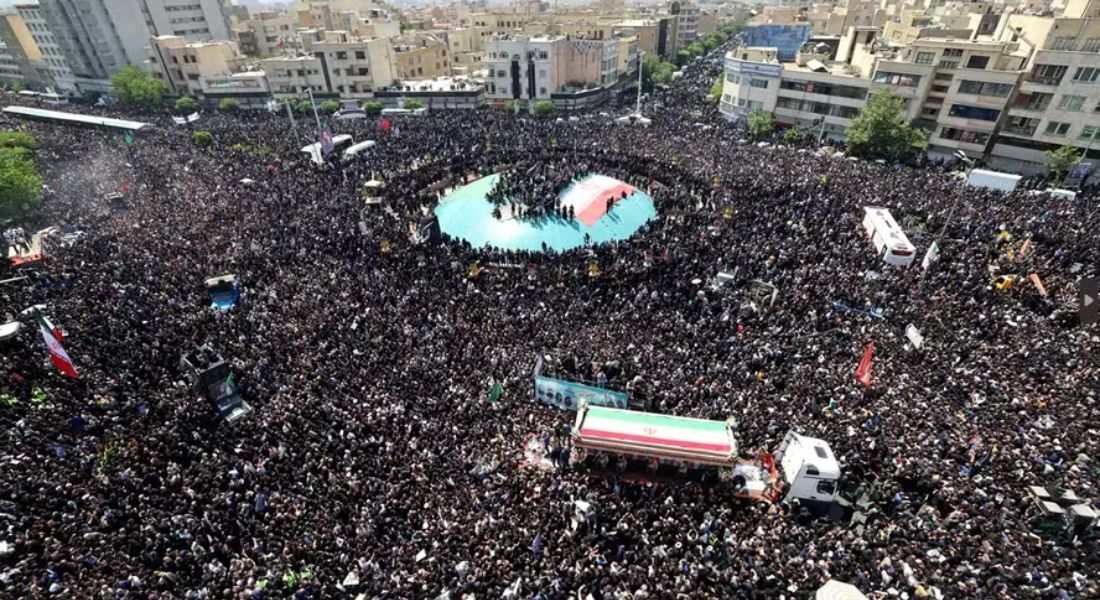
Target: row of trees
{"type": "Point", "coordinates": [136, 87]}
{"type": "Point", "coordinates": [20, 183]}
{"type": "Point", "coordinates": [656, 71]}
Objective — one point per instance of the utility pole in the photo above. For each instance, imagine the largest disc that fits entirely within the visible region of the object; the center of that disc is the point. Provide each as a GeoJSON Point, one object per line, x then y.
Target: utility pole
{"type": "Point", "coordinates": [641, 58]}
{"type": "Point", "coordinates": [314, 105]}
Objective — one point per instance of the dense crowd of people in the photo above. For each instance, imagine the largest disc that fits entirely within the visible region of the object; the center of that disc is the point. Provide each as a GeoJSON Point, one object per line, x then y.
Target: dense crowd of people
{"type": "Point", "coordinates": [533, 190]}
{"type": "Point", "coordinates": [373, 463]}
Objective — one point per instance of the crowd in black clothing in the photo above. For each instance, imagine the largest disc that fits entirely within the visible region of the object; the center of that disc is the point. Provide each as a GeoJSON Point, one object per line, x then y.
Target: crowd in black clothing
{"type": "Point", "coordinates": [532, 190]}
{"type": "Point", "coordinates": [372, 456]}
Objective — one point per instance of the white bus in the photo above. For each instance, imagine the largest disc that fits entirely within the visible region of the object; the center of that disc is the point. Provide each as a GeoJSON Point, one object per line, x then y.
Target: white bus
{"type": "Point", "coordinates": [412, 112]}
{"type": "Point", "coordinates": [339, 142]}
{"type": "Point", "coordinates": [887, 237]}
{"type": "Point", "coordinates": [354, 151]}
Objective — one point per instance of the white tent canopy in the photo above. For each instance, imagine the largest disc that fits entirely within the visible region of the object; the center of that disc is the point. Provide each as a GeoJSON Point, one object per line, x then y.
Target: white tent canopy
{"type": "Point", "coordinates": [836, 590]}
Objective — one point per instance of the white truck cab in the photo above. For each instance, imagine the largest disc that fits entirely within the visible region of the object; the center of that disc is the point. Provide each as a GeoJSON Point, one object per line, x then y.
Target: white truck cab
{"type": "Point", "coordinates": [808, 468]}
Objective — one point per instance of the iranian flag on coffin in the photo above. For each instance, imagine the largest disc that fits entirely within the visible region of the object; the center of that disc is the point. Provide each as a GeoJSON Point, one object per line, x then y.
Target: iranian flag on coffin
{"type": "Point", "coordinates": [58, 355]}
{"type": "Point", "coordinates": [697, 439]}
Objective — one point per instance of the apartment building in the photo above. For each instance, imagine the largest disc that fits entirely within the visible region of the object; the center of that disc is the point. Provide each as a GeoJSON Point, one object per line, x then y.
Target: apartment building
{"type": "Point", "coordinates": [52, 66]}
{"type": "Point", "coordinates": [272, 33]}
{"type": "Point", "coordinates": [1058, 100]}
{"type": "Point", "coordinates": [423, 56]}
{"type": "Point", "coordinates": [97, 37]}
{"type": "Point", "coordinates": [193, 20]}
{"type": "Point", "coordinates": [20, 55]}
{"type": "Point", "coordinates": [338, 66]}
{"type": "Point", "coordinates": [181, 65]}
{"type": "Point", "coordinates": [466, 49]}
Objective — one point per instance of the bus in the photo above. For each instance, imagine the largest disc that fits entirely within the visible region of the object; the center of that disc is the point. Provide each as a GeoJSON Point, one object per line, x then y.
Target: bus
{"type": "Point", "coordinates": [339, 142]}
{"type": "Point", "coordinates": [50, 99]}
{"type": "Point", "coordinates": [413, 112]}
{"type": "Point", "coordinates": [886, 235]}
{"type": "Point", "coordinates": [355, 150]}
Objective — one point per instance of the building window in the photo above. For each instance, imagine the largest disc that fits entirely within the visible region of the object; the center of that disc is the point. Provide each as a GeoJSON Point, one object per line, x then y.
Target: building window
{"type": "Point", "coordinates": [925, 58]}
{"type": "Point", "coordinates": [963, 111]}
{"type": "Point", "coordinates": [759, 83]}
{"type": "Point", "coordinates": [1072, 103]}
{"type": "Point", "coordinates": [948, 64]}
{"type": "Point", "coordinates": [336, 72]}
{"type": "Point", "coordinates": [360, 55]}
{"type": "Point", "coordinates": [1056, 128]}
{"type": "Point", "coordinates": [977, 62]}
{"type": "Point", "coordinates": [341, 56]}
{"type": "Point", "coordinates": [542, 91]}
{"type": "Point", "coordinates": [898, 79]}
{"type": "Point", "coordinates": [1086, 74]}
{"type": "Point", "coordinates": [963, 135]}
{"type": "Point", "coordinates": [953, 52]}
{"type": "Point", "coordinates": [1090, 132]}
{"type": "Point", "coordinates": [943, 76]}
{"type": "Point", "coordinates": [1091, 45]}
{"type": "Point", "coordinates": [985, 88]}
{"type": "Point", "coordinates": [730, 77]}
{"type": "Point", "coordinates": [1049, 74]}
{"type": "Point", "coordinates": [1063, 43]}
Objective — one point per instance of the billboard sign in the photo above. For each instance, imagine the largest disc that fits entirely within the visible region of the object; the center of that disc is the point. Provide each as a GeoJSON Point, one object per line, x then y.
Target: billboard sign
{"type": "Point", "coordinates": [745, 67]}
{"type": "Point", "coordinates": [567, 394]}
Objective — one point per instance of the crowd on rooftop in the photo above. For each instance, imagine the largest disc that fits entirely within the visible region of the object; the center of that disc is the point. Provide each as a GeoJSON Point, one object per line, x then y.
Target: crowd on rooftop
{"type": "Point", "coordinates": [373, 463]}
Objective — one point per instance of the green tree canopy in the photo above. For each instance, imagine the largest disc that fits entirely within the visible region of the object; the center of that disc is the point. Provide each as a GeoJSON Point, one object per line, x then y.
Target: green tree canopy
{"type": "Point", "coordinates": [372, 107]}
{"type": "Point", "coordinates": [20, 184]}
{"type": "Point", "coordinates": [305, 106]}
{"type": "Point", "coordinates": [328, 107]}
{"type": "Point", "coordinates": [882, 130]}
{"type": "Point", "coordinates": [203, 139]}
{"type": "Point", "coordinates": [656, 71]}
{"type": "Point", "coordinates": [229, 105]}
{"type": "Point", "coordinates": [186, 105]}
{"type": "Point", "coordinates": [761, 123]}
{"type": "Point", "coordinates": [17, 139]}
{"type": "Point", "coordinates": [1060, 161]}
{"type": "Point", "coordinates": [716, 89]}
{"type": "Point", "coordinates": [413, 104]}
{"type": "Point", "coordinates": [792, 136]}
{"type": "Point", "coordinates": [134, 86]}
{"type": "Point", "coordinates": [544, 107]}
{"type": "Point", "coordinates": [709, 43]}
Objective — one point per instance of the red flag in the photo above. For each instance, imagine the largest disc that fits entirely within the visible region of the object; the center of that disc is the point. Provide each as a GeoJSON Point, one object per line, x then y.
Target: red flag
{"type": "Point", "coordinates": [385, 124]}
{"type": "Point", "coordinates": [863, 371]}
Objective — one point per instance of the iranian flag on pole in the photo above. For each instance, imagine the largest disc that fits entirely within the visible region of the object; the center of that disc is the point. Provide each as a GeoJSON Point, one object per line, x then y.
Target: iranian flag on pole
{"type": "Point", "coordinates": [53, 328]}
{"type": "Point", "coordinates": [58, 355]}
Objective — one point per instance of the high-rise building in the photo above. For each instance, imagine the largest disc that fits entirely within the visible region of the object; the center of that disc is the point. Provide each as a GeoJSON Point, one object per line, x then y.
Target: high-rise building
{"type": "Point", "coordinates": [52, 64]}
{"type": "Point", "coordinates": [97, 38]}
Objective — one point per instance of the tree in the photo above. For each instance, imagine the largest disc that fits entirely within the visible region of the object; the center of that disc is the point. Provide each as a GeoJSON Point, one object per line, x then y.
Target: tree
{"type": "Point", "coordinates": [305, 106]}
{"type": "Point", "coordinates": [186, 105]}
{"type": "Point", "coordinates": [17, 139]}
{"type": "Point", "coordinates": [792, 136]}
{"type": "Point", "coordinates": [716, 89]}
{"type": "Point", "coordinates": [882, 130]}
{"type": "Point", "coordinates": [328, 107]}
{"type": "Point", "coordinates": [696, 49]}
{"type": "Point", "coordinates": [761, 123]}
{"type": "Point", "coordinates": [1060, 161]}
{"type": "Point", "coordinates": [133, 86]}
{"type": "Point", "coordinates": [682, 57]}
{"type": "Point", "coordinates": [203, 139]}
{"type": "Point", "coordinates": [229, 105]}
{"type": "Point", "coordinates": [544, 107]}
{"type": "Point", "coordinates": [709, 43]}
{"type": "Point", "coordinates": [656, 71]}
{"type": "Point", "coordinates": [20, 184]}
{"type": "Point", "coordinates": [413, 104]}
{"type": "Point", "coordinates": [372, 107]}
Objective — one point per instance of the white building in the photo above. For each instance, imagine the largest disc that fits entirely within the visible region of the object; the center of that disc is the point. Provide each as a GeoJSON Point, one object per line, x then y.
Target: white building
{"type": "Point", "coordinates": [525, 68]}
{"type": "Point", "coordinates": [97, 38]}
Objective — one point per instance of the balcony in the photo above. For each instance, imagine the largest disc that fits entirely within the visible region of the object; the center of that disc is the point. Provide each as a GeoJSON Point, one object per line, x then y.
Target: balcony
{"type": "Point", "coordinates": [1045, 80]}
{"type": "Point", "coordinates": [1022, 131]}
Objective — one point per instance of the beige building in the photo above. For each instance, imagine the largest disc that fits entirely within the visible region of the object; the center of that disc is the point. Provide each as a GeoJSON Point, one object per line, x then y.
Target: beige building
{"type": "Point", "coordinates": [423, 56]}
{"type": "Point", "coordinates": [273, 33]}
{"type": "Point", "coordinates": [20, 57]}
{"type": "Point", "coordinates": [181, 64]}
{"type": "Point", "coordinates": [337, 65]}
{"type": "Point", "coordinates": [1058, 100]}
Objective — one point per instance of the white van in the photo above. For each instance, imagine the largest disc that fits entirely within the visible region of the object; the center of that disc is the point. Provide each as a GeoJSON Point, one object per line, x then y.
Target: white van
{"type": "Point", "coordinates": [355, 150]}
{"type": "Point", "coordinates": [53, 99]}
{"type": "Point", "coordinates": [886, 235]}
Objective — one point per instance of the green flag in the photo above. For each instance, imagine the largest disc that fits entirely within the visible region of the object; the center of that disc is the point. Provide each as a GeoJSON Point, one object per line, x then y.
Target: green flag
{"type": "Point", "coordinates": [128, 136]}
{"type": "Point", "coordinates": [496, 392]}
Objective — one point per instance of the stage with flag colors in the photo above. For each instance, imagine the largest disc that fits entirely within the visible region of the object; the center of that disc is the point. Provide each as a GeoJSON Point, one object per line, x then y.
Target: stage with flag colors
{"type": "Point", "coordinates": [465, 214]}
